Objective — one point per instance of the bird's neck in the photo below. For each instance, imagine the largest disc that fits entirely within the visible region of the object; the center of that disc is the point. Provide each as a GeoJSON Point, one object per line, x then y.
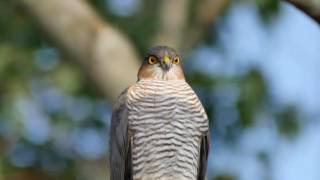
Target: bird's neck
{"type": "Point", "coordinates": [165, 76]}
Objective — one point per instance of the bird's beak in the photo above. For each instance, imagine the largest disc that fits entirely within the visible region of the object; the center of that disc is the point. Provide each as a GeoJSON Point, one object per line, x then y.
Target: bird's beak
{"type": "Point", "coordinates": [166, 63]}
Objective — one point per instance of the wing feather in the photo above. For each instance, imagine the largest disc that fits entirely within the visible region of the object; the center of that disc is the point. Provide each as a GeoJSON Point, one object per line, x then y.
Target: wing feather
{"type": "Point", "coordinates": [204, 153]}
{"type": "Point", "coordinates": [120, 150]}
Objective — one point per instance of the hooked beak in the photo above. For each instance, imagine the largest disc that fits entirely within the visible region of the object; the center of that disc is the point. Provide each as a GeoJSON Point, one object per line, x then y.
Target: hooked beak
{"type": "Point", "coordinates": [166, 63]}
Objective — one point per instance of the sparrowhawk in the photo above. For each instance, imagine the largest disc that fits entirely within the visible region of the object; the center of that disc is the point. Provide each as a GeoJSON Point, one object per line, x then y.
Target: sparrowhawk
{"type": "Point", "coordinates": [159, 129]}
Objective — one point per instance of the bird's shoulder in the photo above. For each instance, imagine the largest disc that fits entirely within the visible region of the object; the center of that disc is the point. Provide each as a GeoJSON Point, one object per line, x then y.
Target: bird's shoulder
{"type": "Point", "coordinates": [121, 99]}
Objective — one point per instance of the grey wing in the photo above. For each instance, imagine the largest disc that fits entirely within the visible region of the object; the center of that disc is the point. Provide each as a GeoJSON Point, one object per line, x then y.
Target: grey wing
{"type": "Point", "coordinates": [120, 150]}
{"type": "Point", "coordinates": [204, 153]}
{"type": "Point", "coordinates": [204, 146]}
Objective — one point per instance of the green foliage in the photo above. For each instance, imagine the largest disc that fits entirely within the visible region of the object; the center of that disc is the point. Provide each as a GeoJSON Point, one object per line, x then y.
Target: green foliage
{"type": "Point", "coordinates": [288, 123]}
{"type": "Point", "coordinates": [224, 177]}
{"type": "Point", "coordinates": [23, 80]}
{"type": "Point", "coordinates": [140, 27]}
{"type": "Point", "coordinates": [16, 28]}
{"type": "Point", "coordinates": [252, 95]}
{"type": "Point", "coordinates": [202, 80]}
{"type": "Point", "coordinates": [268, 9]}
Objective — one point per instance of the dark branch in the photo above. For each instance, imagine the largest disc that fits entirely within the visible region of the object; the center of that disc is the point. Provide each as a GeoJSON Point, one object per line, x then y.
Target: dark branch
{"type": "Point", "coordinates": [308, 7]}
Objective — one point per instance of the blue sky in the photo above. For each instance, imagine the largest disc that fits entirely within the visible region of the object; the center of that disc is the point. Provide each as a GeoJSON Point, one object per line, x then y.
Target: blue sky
{"type": "Point", "coordinates": [287, 52]}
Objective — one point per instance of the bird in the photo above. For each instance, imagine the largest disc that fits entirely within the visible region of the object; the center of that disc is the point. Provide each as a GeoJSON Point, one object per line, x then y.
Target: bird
{"type": "Point", "coordinates": [159, 128]}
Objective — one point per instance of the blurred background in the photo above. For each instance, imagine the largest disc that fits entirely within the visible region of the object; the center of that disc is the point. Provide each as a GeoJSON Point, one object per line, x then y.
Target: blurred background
{"type": "Point", "coordinates": [253, 63]}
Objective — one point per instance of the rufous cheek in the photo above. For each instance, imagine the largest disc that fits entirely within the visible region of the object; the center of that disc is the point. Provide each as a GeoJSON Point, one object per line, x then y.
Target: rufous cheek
{"type": "Point", "coordinates": [151, 72]}
{"type": "Point", "coordinates": [145, 72]}
{"type": "Point", "coordinates": [179, 73]}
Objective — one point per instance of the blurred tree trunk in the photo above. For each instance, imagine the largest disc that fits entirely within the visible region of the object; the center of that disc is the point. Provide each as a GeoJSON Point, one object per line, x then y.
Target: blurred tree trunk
{"type": "Point", "coordinates": [178, 29]}
{"type": "Point", "coordinates": [206, 13]}
{"type": "Point", "coordinates": [172, 23]}
{"type": "Point", "coordinates": [310, 7]}
{"type": "Point", "coordinates": [104, 53]}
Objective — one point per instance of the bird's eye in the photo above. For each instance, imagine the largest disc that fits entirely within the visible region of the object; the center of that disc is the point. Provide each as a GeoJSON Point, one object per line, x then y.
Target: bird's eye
{"type": "Point", "coordinates": [176, 60]}
{"type": "Point", "coordinates": [152, 60]}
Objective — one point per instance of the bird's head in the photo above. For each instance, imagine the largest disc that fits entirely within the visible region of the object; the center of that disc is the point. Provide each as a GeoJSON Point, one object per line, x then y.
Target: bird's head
{"type": "Point", "coordinates": [161, 63]}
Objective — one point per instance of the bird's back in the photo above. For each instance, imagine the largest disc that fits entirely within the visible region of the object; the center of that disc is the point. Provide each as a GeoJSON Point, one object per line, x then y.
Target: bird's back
{"type": "Point", "coordinates": [165, 123]}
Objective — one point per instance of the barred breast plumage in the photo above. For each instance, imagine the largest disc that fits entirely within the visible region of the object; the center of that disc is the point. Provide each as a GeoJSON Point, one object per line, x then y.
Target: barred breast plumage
{"type": "Point", "coordinates": [165, 123]}
{"type": "Point", "coordinates": [159, 129]}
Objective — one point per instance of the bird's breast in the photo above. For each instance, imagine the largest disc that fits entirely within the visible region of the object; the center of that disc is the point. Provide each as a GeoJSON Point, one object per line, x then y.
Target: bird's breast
{"type": "Point", "coordinates": [166, 120]}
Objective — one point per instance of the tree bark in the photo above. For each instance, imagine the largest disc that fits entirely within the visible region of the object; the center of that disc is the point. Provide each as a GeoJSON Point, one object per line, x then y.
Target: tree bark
{"type": "Point", "coordinates": [172, 23]}
{"type": "Point", "coordinates": [176, 29]}
{"type": "Point", "coordinates": [104, 53]}
{"type": "Point", "coordinates": [206, 13]}
{"type": "Point", "coordinates": [309, 7]}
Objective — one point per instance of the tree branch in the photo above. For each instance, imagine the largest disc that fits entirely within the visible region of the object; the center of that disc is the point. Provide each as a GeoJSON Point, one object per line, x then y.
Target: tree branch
{"type": "Point", "coordinates": [105, 54]}
{"type": "Point", "coordinates": [173, 19]}
{"type": "Point", "coordinates": [309, 7]}
{"type": "Point", "coordinates": [206, 14]}
{"type": "Point", "coordinates": [175, 28]}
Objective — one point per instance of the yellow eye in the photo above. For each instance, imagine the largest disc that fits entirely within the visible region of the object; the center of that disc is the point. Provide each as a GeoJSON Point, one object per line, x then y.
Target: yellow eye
{"type": "Point", "coordinates": [176, 60]}
{"type": "Point", "coordinates": [152, 60]}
